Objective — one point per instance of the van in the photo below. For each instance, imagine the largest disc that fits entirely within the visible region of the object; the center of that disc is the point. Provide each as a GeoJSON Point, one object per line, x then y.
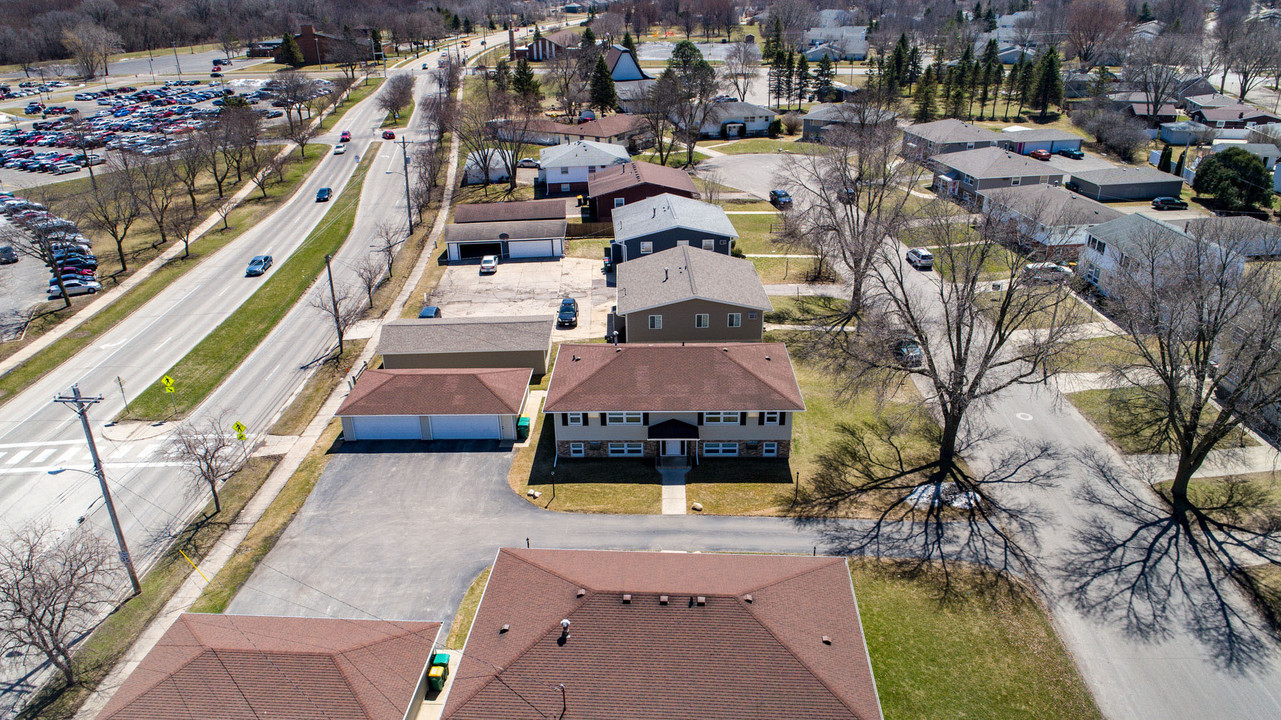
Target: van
{"type": "Point", "coordinates": [64, 168]}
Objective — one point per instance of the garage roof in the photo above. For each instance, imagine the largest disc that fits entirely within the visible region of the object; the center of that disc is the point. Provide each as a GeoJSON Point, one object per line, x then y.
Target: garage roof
{"type": "Point", "coordinates": [665, 635]}
{"type": "Point", "coordinates": [495, 231]}
{"type": "Point", "coordinates": [1125, 176]}
{"type": "Point", "coordinates": [240, 666]}
{"type": "Point", "coordinates": [668, 212]}
{"type": "Point", "coordinates": [631, 174]}
{"type": "Point", "coordinates": [438, 391]}
{"type": "Point", "coordinates": [466, 334]}
{"type": "Point", "coordinates": [551, 209]}
{"type": "Point", "coordinates": [671, 377]}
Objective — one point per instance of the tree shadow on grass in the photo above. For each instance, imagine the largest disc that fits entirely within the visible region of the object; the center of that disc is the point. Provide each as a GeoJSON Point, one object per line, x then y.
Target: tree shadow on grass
{"type": "Point", "coordinates": [1154, 569]}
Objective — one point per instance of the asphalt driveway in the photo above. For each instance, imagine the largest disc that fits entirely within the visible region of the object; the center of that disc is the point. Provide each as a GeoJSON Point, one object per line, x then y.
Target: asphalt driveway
{"type": "Point", "coordinates": [529, 287]}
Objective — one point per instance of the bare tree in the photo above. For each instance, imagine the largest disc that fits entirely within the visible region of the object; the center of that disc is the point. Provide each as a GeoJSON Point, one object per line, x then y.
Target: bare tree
{"type": "Point", "coordinates": [182, 221]}
{"type": "Point", "coordinates": [471, 126]}
{"type": "Point", "coordinates": [428, 162]}
{"type": "Point", "coordinates": [188, 161]}
{"type": "Point", "coordinates": [513, 137]}
{"type": "Point", "coordinates": [157, 189]}
{"type": "Point", "coordinates": [569, 82]}
{"type": "Point", "coordinates": [740, 67]}
{"type": "Point", "coordinates": [294, 89]}
{"type": "Point", "coordinates": [794, 17]}
{"type": "Point", "coordinates": [1253, 54]}
{"type": "Point", "coordinates": [52, 589]}
{"type": "Point", "coordinates": [111, 204]}
{"type": "Point", "coordinates": [1094, 27]}
{"type": "Point", "coordinates": [397, 93]}
{"type": "Point", "coordinates": [340, 307]}
{"type": "Point", "coordinates": [36, 244]}
{"type": "Point", "coordinates": [230, 43]}
{"type": "Point", "coordinates": [388, 237]}
{"type": "Point", "coordinates": [1154, 67]}
{"type": "Point", "coordinates": [90, 45]}
{"type": "Point", "coordinates": [209, 453]}
{"type": "Point", "coordinates": [371, 273]}
{"type": "Point", "coordinates": [658, 121]}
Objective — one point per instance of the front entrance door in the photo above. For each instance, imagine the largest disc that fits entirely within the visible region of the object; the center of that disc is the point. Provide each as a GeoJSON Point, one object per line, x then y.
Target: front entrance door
{"type": "Point", "coordinates": [673, 447]}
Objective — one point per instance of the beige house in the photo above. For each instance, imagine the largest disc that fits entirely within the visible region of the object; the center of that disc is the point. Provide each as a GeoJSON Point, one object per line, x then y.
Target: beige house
{"type": "Point", "coordinates": [679, 402]}
{"type": "Point", "coordinates": [468, 342]}
{"type": "Point", "coordinates": [689, 294]}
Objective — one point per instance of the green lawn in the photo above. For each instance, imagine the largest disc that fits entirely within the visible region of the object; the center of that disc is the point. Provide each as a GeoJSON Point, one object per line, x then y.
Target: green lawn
{"type": "Point", "coordinates": [782, 270]}
{"type": "Point", "coordinates": [1100, 354]}
{"type": "Point", "coordinates": [925, 236]}
{"type": "Point", "coordinates": [675, 159]}
{"type": "Point", "coordinates": [754, 233]}
{"type": "Point", "coordinates": [996, 262]}
{"type": "Point", "coordinates": [740, 486]}
{"type": "Point", "coordinates": [750, 146]}
{"type": "Point", "coordinates": [591, 248]}
{"type": "Point", "coordinates": [744, 205]}
{"type": "Point", "coordinates": [804, 309]}
{"type": "Point", "coordinates": [1101, 407]}
{"type": "Point", "coordinates": [207, 364]}
{"type": "Point", "coordinates": [976, 657]}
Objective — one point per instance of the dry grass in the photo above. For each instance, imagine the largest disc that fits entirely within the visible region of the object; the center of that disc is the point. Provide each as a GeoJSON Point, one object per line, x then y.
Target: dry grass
{"type": "Point", "coordinates": [300, 412]}
{"type": "Point", "coordinates": [1100, 408]}
{"type": "Point", "coordinates": [467, 611]}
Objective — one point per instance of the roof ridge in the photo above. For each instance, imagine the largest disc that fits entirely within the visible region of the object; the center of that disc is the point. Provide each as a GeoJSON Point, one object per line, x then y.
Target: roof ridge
{"type": "Point", "coordinates": [689, 272]}
{"type": "Point", "coordinates": [482, 373]}
{"type": "Point", "coordinates": [763, 380]}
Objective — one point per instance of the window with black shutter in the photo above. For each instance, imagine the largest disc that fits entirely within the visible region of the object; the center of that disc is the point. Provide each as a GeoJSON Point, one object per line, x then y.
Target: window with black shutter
{"type": "Point", "coordinates": [742, 418]}
{"type": "Point", "coordinates": [604, 419]}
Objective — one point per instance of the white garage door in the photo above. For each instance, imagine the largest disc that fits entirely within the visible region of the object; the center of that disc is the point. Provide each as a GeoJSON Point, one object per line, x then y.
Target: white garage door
{"type": "Point", "coordinates": [464, 427]}
{"type": "Point", "coordinates": [530, 249]}
{"type": "Point", "coordinates": [388, 427]}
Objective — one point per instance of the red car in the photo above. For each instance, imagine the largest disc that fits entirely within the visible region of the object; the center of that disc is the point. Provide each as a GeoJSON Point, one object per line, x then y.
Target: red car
{"type": "Point", "coordinates": [389, 135]}
{"type": "Point", "coordinates": [1040, 154]}
{"type": "Point", "coordinates": [346, 136]}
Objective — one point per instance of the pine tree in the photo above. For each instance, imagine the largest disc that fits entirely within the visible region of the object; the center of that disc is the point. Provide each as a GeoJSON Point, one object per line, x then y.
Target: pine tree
{"type": "Point", "coordinates": [801, 80]}
{"type": "Point", "coordinates": [824, 76]}
{"type": "Point", "coordinates": [290, 53]}
{"type": "Point", "coordinates": [1012, 84]}
{"type": "Point", "coordinates": [987, 74]}
{"type": "Point", "coordinates": [467, 26]}
{"type": "Point", "coordinates": [1027, 84]}
{"type": "Point", "coordinates": [629, 42]}
{"type": "Point", "coordinates": [1145, 14]}
{"type": "Point", "coordinates": [525, 84]}
{"type": "Point", "coordinates": [1178, 169]}
{"type": "Point", "coordinates": [502, 76]}
{"type": "Point", "coordinates": [786, 78]}
{"type": "Point", "coordinates": [537, 34]}
{"type": "Point", "coordinates": [913, 67]}
{"type": "Point", "coordinates": [776, 78]}
{"type": "Point", "coordinates": [588, 41]}
{"type": "Point", "coordinates": [603, 96]}
{"type": "Point", "coordinates": [1167, 155]}
{"type": "Point", "coordinates": [960, 88]}
{"type": "Point", "coordinates": [1049, 81]}
{"type": "Point", "coordinates": [925, 98]}
{"type": "Point", "coordinates": [897, 70]}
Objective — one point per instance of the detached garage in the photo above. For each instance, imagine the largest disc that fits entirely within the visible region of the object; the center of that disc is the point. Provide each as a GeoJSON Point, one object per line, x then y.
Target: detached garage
{"type": "Point", "coordinates": [1126, 184]}
{"type": "Point", "coordinates": [507, 240]}
{"type": "Point", "coordinates": [435, 404]}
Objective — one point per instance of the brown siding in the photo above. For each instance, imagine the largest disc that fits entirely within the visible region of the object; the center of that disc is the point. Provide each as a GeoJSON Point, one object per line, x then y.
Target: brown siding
{"type": "Point", "coordinates": [535, 360]}
{"type": "Point", "coordinates": [603, 205]}
{"type": "Point", "coordinates": [678, 323]}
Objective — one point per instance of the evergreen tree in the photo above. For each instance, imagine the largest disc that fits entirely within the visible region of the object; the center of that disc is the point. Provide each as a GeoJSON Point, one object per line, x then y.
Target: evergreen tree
{"type": "Point", "coordinates": [290, 54]}
{"type": "Point", "coordinates": [801, 80]}
{"type": "Point", "coordinates": [960, 89]}
{"type": "Point", "coordinates": [787, 77]}
{"type": "Point", "coordinates": [629, 42]}
{"type": "Point", "coordinates": [1027, 83]}
{"type": "Point", "coordinates": [913, 67]}
{"type": "Point", "coordinates": [456, 24]}
{"type": "Point", "coordinates": [1099, 82]}
{"type": "Point", "coordinates": [502, 76]}
{"type": "Point", "coordinates": [603, 96]}
{"type": "Point", "coordinates": [524, 84]}
{"type": "Point", "coordinates": [1049, 81]}
{"type": "Point", "coordinates": [467, 26]}
{"type": "Point", "coordinates": [897, 70]}
{"type": "Point", "coordinates": [1178, 169]}
{"type": "Point", "coordinates": [588, 41]}
{"type": "Point", "coordinates": [1167, 155]}
{"type": "Point", "coordinates": [824, 77]}
{"type": "Point", "coordinates": [989, 18]}
{"type": "Point", "coordinates": [925, 97]}
{"type": "Point", "coordinates": [1012, 84]}
{"type": "Point", "coordinates": [989, 66]}
{"type": "Point", "coordinates": [1145, 14]}
{"type": "Point", "coordinates": [775, 78]}
{"type": "Point", "coordinates": [537, 34]}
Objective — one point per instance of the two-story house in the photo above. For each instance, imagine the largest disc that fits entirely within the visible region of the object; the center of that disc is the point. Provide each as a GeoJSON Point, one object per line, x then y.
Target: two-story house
{"type": "Point", "coordinates": [689, 294]}
{"type": "Point", "coordinates": [963, 175]}
{"type": "Point", "coordinates": [1052, 222]}
{"type": "Point", "coordinates": [667, 221]}
{"type": "Point", "coordinates": [945, 136]}
{"type": "Point", "coordinates": [1114, 249]}
{"type": "Point", "coordinates": [677, 401]}
{"type": "Point", "coordinates": [565, 169]}
{"type": "Point", "coordinates": [632, 182]}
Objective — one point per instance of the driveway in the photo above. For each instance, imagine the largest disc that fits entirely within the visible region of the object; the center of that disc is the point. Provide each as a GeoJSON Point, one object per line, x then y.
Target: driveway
{"type": "Point", "coordinates": [755, 174]}
{"type": "Point", "coordinates": [529, 288]}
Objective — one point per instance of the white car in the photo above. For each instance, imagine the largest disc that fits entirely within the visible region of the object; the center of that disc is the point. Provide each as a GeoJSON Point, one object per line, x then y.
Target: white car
{"type": "Point", "coordinates": [489, 264]}
{"type": "Point", "coordinates": [340, 150]}
{"type": "Point", "coordinates": [75, 287]}
{"type": "Point", "coordinates": [920, 259]}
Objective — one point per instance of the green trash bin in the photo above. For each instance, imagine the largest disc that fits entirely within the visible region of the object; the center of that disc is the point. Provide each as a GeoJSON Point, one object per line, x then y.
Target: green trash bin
{"type": "Point", "coordinates": [436, 675]}
{"type": "Point", "coordinates": [440, 658]}
{"type": "Point", "coordinates": [522, 427]}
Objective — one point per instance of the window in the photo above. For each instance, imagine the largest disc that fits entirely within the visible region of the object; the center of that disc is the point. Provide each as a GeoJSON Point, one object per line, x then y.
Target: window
{"type": "Point", "coordinates": [1092, 275]}
{"type": "Point", "coordinates": [626, 449]}
{"type": "Point", "coordinates": [647, 247]}
{"type": "Point", "coordinates": [736, 320]}
{"type": "Point", "coordinates": [623, 418]}
{"type": "Point", "coordinates": [574, 419]}
{"type": "Point", "coordinates": [1097, 246]}
{"type": "Point", "coordinates": [720, 418]}
{"type": "Point", "coordinates": [720, 449]}
{"type": "Point", "coordinates": [702, 320]}
{"type": "Point", "coordinates": [564, 171]}
{"type": "Point", "coordinates": [619, 202]}
{"type": "Point", "coordinates": [770, 449]}
{"type": "Point", "coordinates": [591, 170]}
{"type": "Point", "coordinates": [655, 322]}
{"type": "Point", "coordinates": [1016, 181]}
{"type": "Point", "coordinates": [751, 316]}
{"type": "Point", "coordinates": [709, 244]}
{"type": "Point", "coordinates": [564, 187]}
{"type": "Point", "coordinates": [771, 417]}
{"type": "Point", "coordinates": [577, 449]}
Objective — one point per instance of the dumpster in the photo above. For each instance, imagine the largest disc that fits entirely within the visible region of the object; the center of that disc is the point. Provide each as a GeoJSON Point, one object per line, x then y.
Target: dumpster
{"type": "Point", "coordinates": [522, 427]}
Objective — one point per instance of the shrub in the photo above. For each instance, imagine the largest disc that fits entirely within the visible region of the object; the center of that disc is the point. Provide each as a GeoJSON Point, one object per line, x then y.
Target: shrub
{"type": "Point", "coordinates": [792, 122]}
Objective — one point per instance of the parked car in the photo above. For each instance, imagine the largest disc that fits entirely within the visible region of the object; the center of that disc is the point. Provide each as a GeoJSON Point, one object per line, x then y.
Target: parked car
{"type": "Point", "coordinates": [1046, 272]}
{"type": "Point", "coordinates": [77, 261]}
{"type": "Point", "coordinates": [323, 194]}
{"type": "Point", "coordinates": [908, 353]}
{"type": "Point", "coordinates": [848, 195]}
{"type": "Point", "coordinates": [345, 137]}
{"type": "Point", "coordinates": [389, 135]}
{"type": "Point", "coordinates": [258, 266]}
{"type": "Point", "coordinates": [780, 199]}
{"type": "Point", "coordinates": [429, 311]}
{"type": "Point", "coordinates": [1168, 203]}
{"type": "Point", "coordinates": [1072, 185]}
{"type": "Point", "coordinates": [527, 163]}
{"type": "Point", "coordinates": [567, 315]}
{"type": "Point", "coordinates": [340, 149]}
{"type": "Point", "coordinates": [489, 264]}
{"type": "Point", "coordinates": [215, 74]}
{"type": "Point", "coordinates": [1039, 154]}
{"type": "Point", "coordinates": [75, 287]}
{"type": "Point", "coordinates": [8, 255]}
{"type": "Point", "coordinates": [1072, 153]}
{"type": "Point", "coordinates": [920, 259]}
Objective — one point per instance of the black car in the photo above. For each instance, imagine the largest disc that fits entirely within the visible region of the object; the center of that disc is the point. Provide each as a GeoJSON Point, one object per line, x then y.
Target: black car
{"type": "Point", "coordinates": [78, 261]}
{"type": "Point", "coordinates": [1169, 203]}
{"type": "Point", "coordinates": [324, 194]}
{"type": "Point", "coordinates": [8, 255]}
{"type": "Point", "coordinates": [258, 266]}
{"type": "Point", "coordinates": [908, 353]}
{"type": "Point", "coordinates": [1071, 153]}
{"type": "Point", "coordinates": [567, 315]}
{"type": "Point", "coordinates": [780, 199]}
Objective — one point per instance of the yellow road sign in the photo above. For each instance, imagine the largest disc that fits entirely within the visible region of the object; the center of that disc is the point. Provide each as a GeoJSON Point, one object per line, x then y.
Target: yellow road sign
{"type": "Point", "coordinates": [166, 381]}
{"type": "Point", "coordinates": [240, 428]}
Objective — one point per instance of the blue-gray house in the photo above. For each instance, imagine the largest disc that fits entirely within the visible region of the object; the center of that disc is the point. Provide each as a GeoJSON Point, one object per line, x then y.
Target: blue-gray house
{"type": "Point", "coordinates": [666, 221]}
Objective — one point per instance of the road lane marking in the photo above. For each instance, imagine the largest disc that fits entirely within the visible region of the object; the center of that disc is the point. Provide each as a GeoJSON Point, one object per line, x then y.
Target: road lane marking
{"type": "Point", "coordinates": [44, 455]}
{"type": "Point", "coordinates": [17, 457]}
{"type": "Point", "coordinates": [1023, 416]}
{"type": "Point", "coordinates": [70, 453]}
{"type": "Point", "coordinates": [86, 468]}
{"type": "Point", "coordinates": [10, 446]}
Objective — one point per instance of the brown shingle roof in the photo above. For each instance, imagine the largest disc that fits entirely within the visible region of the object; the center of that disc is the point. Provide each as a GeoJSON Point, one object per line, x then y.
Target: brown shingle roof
{"type": "Point", "coordinates": [638, 173]}
{"type": "Point", "coordinates": [235, 667]}
{"type": "Point", "coordinates": [757, 646]}
{"type": "Point", "coordinates": [670, 377]}
{"type": "Point", "coordinates": [606, 127]}
{"type": "Point", "coordinates": [550, 209]}
{"type": "Point", "coordinates": [438, 391]}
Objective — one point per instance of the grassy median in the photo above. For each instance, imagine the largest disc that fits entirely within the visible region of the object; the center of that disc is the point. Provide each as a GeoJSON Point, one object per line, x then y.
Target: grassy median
{"type": "Point", "coordinates": [215, 357]}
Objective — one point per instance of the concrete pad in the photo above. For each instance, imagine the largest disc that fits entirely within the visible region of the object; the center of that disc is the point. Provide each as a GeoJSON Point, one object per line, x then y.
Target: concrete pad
{"type": "Point", "coordinates": [529, 288]}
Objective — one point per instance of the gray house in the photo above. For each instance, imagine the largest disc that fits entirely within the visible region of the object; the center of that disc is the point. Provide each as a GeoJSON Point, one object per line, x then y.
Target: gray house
{"type": "Point", "coordinates": [666, 221]}
{"type": "Point", "coordinates": [1185, 132]}
{"type": "Point", "coordinates": [1110, 250]}
{"type": "Point", "coordinates": [468, 342]}
{"type": "Point", "coordinates": [963, 175]}
{"type": "Point", "coordinates": [1052, 222]}
{"type": "Point", "coordinates": [821, 118]}
{"type": "Point", "coordinates": [1126, 183]}
{"type": "Point", "coordinates": [689, 294]}
{"type": "Point", "coordinates": [945, 136]}
{"type": "Point", "coordinates": [1050, 140]}
{"type": "Point", "coordinates": [732, 118]}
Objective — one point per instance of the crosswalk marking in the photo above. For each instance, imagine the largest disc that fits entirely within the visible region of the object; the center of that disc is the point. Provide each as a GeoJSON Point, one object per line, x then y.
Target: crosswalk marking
{"type": "Point", "coordinates": [70, 453]}
{"type": "Point", "coordinates": [17, 457]}
{"type": "Point", "coordinates": [44, 455]}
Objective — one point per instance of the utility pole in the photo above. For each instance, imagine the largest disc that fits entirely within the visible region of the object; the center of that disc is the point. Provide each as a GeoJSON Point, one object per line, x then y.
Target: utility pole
{"type": "Point", "coordinates": [409, 209]}
{"type": "Point", "coordinates": [333, 297]}
{"type": "Point", "coordinates": [81, 404]}
{"type": "Point", "coordinates": [176, 60]}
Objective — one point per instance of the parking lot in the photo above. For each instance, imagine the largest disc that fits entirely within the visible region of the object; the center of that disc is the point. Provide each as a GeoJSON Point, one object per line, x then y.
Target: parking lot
{"type": "Point", "coordinates": [529, 288]}
{"type": "Point", "coordinates": [23, 285]}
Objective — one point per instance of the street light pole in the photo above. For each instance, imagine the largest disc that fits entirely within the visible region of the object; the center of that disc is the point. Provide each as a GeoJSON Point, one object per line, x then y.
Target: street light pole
{"type": "Point", "coordinates": [176, 60]}
{"type": "Point", "coordinates": [409, 210]}
{"type": "Point", "coordinates": [81, 404]}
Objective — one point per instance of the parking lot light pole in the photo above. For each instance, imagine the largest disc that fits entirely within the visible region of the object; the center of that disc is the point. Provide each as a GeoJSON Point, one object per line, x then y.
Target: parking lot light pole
{"type": "Point", "coordinates": [81, 404]}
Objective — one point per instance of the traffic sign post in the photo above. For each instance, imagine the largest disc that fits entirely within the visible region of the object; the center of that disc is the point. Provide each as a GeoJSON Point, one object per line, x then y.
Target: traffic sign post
{"type": "Point", "coordinates": [167, 382]}
{"type": "Point", "coordinates": [240, 428]}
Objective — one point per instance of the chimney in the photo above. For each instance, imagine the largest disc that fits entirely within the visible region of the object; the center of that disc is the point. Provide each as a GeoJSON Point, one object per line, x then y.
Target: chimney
{"type": "Point", "coordinates": [511, 43]}
{"type": "Point", "coordinates": [307, 30]}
